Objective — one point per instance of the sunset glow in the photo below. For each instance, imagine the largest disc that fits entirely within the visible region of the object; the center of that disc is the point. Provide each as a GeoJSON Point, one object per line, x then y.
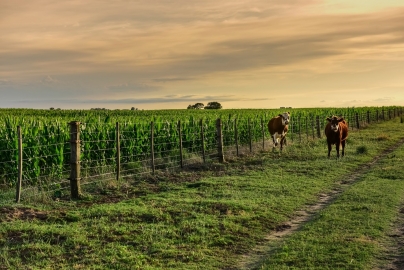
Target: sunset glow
{"type": "Point", "coordinates": [166, 55]}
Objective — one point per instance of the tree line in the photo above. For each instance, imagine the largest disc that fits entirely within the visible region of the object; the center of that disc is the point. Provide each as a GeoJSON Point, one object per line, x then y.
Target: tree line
{"type": "Point", "coordinates": [211, 105]}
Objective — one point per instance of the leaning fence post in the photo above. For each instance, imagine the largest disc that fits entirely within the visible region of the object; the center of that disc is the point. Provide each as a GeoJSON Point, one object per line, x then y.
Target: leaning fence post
{"type": "Point", "coordinates": [219, 138]}
{"type": "Point", "coordinates": [19, 179]}
{"type": "Point", "coordinates": [75, 188]}
{"type": "Point", "coordinates": [118, 153]}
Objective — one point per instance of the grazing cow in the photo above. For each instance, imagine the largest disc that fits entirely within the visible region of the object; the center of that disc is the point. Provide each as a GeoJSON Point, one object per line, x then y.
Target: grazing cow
{"type": "Point", "coordinates": [336, 131]}
{"type": "Point", "coordinates": [278, 127]}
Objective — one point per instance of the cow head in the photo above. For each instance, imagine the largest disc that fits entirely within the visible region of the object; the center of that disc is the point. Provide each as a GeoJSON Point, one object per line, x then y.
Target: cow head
{"type": "Point", "coordinates": [334, 121]}
{"type": "Point", "coordinates": [285, 118]}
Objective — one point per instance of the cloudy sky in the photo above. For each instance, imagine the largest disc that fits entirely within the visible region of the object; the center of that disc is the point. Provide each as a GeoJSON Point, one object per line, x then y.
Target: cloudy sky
{"type": "Point", "coordinates": [166, 54]}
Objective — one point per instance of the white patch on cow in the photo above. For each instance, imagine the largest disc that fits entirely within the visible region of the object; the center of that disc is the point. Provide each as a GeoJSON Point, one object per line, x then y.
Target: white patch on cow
{"type": "Point", "coordinates": [334, 127]}
{"type": "Point", "coordinates": [277, 136]}
{"type": "Point", "coordinates": [285, 118]}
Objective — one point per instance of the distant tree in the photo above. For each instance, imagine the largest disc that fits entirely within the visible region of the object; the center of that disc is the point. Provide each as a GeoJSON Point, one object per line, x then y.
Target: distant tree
{"type": "Point", "coordinates": [197, 106]}
{"type": "Point", "coordinates": [133, 109]}
{"type": "Point", "coordinates": [213, 105]}
{"type": "Point", "coordinates": [51, 108]}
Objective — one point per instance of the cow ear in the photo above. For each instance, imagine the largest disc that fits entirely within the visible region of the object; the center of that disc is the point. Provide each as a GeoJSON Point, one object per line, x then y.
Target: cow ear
{"type": "Point", "coordinates": [280, 115]}
{"type": "Point", "coordinates": [341, 119]}
{"type": "Point", "coordinates": [328, 119]}
{"type": "Point", "coordinates": [289, 113]}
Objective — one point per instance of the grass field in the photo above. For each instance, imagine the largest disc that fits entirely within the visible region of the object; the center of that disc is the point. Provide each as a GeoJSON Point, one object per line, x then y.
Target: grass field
{"type": "Point", "coordinates": [213, 216]}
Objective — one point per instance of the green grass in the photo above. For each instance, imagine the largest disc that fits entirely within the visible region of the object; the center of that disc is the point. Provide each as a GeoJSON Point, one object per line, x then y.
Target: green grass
{"type": "Point", "coordinates": [207, 220]}
{"type": "Point", "coordinates": [348, 234]}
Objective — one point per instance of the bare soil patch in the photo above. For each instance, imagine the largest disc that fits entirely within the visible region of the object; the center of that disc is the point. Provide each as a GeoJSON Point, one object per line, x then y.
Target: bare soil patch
{"type": "Point", "coordinates": [12, 213]}
{"type": "Point", "coordinates": [395, 252]}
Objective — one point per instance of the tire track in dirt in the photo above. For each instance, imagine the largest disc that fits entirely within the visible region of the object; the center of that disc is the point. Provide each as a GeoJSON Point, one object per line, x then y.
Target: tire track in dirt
{"type": "Point", "coordinates": [259, 253]}
{"type": "Point", "coordinates": [393, 257]}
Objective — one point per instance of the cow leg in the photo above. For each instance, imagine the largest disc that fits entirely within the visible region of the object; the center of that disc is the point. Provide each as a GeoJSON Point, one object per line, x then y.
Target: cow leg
{"type": "Point", "coordinates": [283, 141]}
{"type": "Point", "coordinates": [343, 148]}
{"type": "Point", "coordinates": [337, 148]}
{"type": "Point", "coordinates": [275, 140]}
{"type": "Point", "coordinates": [329, 149]}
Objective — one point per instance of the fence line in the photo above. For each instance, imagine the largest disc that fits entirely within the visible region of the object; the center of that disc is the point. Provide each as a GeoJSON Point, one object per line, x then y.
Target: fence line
{"type": "Point", "coordinates": [98, 154]}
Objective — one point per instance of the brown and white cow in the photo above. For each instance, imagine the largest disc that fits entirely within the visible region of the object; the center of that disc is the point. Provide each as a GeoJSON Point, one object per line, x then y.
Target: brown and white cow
{"type": "Point", "coordinates": [278, 128]}
{"type": "Point", "coordinates": [336, 131]}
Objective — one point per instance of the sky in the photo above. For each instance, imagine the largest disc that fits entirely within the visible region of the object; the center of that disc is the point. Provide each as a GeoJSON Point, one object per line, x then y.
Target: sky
{"type": "Point", "coordinates": [169, 54]}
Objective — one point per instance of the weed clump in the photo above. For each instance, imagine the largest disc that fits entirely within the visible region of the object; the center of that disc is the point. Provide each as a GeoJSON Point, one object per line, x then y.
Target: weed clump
{"type": "Point", "coordinates": [361, 150]}
{"type": "Point", "coordinates": [382, 137]}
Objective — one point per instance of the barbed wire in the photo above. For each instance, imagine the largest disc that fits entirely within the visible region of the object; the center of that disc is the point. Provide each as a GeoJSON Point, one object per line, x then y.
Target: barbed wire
{"type": "Point", "coordinates": [44, 169]}
{"type": "Point", "coordinates": [41, 157]}
{"type": "Point", "coordinates": [97, 175]}
{"type": "Point", "coordinates": [8, 150]}
{"type": "Point", "coordinates": [301, 128]}
{"type": "Point", "coordinates": [100, 166]}
{"type": "Point", "coordinates": [5, 162]}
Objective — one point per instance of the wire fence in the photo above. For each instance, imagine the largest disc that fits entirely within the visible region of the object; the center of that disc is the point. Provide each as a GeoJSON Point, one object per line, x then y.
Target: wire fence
{"type": "Point", "coordinates": [57, 163]}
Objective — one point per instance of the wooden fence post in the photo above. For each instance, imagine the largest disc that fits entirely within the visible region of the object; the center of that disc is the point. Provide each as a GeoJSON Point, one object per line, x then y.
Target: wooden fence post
{"type": "Point", "coordinates": [19, 179]}
{"type": "Point", "coordinates": [263, 134]}
{"type": "Point", "coordinates": [357, 120]}
{"type": "Point", "coordinates": [219, 138]}
{"type": "Point", "coordinates": [353, 122]}
{"type": "Point", "coordinates": [118, 153]}
{"type": "Point", "coordinates": [292, 129]}
{"type": "Point", "coordinates": [203, 141]}
{"type": "Point", "coordinates": [377, 115]}
{"type": "Point", "coordinates": [75, 188]}
{"type": "Point", "coordinates": [307, 128]}
{"type": "Point", "coordinates": [249, 134]}
{"type": "Point", "coordinates": [236, 135]}
{"type": "Point", "coordinates": [181, 150]}
{"type": "Point", "coordinates": [312, 127]}
{"type": "Point", "coordinates": [383, 114]}
{"type": "Point", "coordinates": [153, 165]}
{"type": "Point", "coordinates": [368, 117]}
{"type": "Point", "coordinates": [318, 127]}
{"type": "Point", "coordinates": [299, 126]}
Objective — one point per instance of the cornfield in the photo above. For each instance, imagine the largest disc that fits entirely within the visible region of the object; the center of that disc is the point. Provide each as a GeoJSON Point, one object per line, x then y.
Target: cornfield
{"type": "Point", "coordinates": [45, 137]}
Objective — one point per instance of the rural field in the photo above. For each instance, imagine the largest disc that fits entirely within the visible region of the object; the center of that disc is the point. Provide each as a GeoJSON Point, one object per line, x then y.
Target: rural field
{"type": "Point", "coordinates": [259, 209]}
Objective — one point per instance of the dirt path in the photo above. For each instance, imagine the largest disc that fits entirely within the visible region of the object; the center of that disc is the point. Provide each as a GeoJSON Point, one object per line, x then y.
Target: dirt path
{"type": "Point", "coordinates": [255, 258]}
{"type": "Point", "coordinates": [395, 254]}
